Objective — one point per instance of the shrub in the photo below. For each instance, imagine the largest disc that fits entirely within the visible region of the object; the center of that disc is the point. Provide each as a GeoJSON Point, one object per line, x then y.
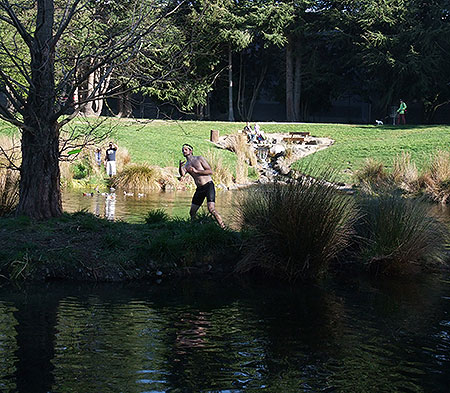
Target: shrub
{"type": "Point", "coordinates": [140, 177]}
{"type": "Point", "coordinates": [397, 234]}
{"type": "Point", "coordinates": [296, 229]}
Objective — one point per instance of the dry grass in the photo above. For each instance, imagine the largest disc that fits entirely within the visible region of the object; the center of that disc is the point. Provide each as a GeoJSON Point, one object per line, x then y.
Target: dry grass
{"type": "Point", "coordinates": [139, 177]}
{"type": "Point", "coordinates": [372, 173]}
{"type": "Point", "coordinates": [221, 174]}
{"type": "Point", "coordinates": [9, 178]}
{"type": "Point", "coordinates": [405, 174]}
{"type": "Point", "coordinates": [436, 179]}
{"type": "Point", "coordinates": [237, 143]}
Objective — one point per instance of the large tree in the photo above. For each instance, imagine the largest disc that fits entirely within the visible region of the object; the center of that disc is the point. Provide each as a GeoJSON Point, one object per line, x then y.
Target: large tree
{"type": "Point", "coordinates": [41, 76]}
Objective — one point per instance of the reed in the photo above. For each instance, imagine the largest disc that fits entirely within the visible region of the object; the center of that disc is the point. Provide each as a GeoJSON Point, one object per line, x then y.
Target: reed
{"type": "Point", "coordinates": [295, 229]}
{"type": "Point", "coordinates": [397, 234]}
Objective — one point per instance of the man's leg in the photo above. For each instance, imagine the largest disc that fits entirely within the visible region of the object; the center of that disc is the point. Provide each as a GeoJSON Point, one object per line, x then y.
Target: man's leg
{"type": "Point", "coordinates": [215, 214]}
{"type": "Point", "coordinates": [193, 211]}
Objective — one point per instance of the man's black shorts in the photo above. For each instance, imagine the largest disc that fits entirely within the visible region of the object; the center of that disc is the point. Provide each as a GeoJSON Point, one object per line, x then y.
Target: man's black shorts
{"type": "Point", "coordinates": [205, 191]}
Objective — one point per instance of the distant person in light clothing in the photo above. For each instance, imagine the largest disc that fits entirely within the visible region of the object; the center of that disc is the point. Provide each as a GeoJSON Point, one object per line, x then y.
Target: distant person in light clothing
{"type": "Point", "coordinates": [110, 159]}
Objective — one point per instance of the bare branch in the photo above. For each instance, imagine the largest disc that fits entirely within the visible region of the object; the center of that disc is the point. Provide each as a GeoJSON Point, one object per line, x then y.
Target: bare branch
{"type": "Point", "coordinates": [14, 21]}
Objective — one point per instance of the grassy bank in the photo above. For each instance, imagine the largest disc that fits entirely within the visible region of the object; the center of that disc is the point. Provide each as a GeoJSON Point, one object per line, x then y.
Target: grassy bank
{"type": "Point", "coordinates": [159, 142]}
{"type": "Point", "coordinates": [81, 246]}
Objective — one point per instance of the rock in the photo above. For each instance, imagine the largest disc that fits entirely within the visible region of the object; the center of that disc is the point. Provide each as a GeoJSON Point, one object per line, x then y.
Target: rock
{"type": "Point", "coordinates": [277, 149]}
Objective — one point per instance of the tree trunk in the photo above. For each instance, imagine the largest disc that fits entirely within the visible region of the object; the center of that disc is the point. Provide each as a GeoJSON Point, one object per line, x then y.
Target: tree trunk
{"type": "Point", "coordinates": [40, 193]}
{"type": "Point", "coordinates": [241, 90]}
{"type": "Point", "coordinates": [125, 108]}
{"type": "Point", "coordinates": [290, 113]}
{"type": "Point", "coordinates": [297, 86]}
{"type": "Point", "coordinates": [230, 86]}
{"type": "Point", "coordinates": [256, 90]}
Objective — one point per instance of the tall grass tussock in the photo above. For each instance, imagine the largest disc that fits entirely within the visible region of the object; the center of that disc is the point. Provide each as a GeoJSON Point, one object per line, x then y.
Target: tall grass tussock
{"type": "Point", "coordinates": [140, 177]}
{"type": "Point", "coordinates": [434, 181]}
{"type": "Point", "coordinates": [9, 178]}
{"type": "Point", "coordinates": [397, 235]}
{"type": "Point", "coordinates": [221, 174]}
{"type": "Point", "coordinates": [295, 229]}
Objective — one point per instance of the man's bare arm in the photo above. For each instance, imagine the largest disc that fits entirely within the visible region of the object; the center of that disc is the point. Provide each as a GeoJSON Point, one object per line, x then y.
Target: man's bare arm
{"type": "Point", "coordinates": [181, 168]}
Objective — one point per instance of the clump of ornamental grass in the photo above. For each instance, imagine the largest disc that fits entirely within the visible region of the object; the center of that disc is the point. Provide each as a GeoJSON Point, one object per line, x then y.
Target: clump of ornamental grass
{"type": "Point", "coordinates": [436, 179]}
{"type": "Point", "coordinates": [405, 174]}
{"type": "Point", "coordinates": [237, 143]}
{"type": "Point", "coordinates": [397, 235]}
{"type": "Point", "coordinates": [372, 176]}
{"type": "Point", "coordinates": [123, 158]}
{"type": "Point", "coordinates": [139, 177]}
{"type": "Point", "coordinates": [294, 229]}
{"type": "Point", "coordinates": [169, 178]}
{"type": "Point", "coordinates": [221, 174]}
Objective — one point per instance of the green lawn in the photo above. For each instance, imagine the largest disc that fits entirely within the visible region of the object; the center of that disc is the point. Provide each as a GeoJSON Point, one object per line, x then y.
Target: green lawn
{"type": "Point", "coordinates": [159, 142]}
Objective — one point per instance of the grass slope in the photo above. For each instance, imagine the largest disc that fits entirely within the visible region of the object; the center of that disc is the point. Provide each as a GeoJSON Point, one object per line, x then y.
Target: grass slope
{"type": "Point", "coordinates": [159, 142]}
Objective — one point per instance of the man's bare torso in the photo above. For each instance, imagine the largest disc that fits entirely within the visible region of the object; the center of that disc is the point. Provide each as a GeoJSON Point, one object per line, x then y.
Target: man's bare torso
{"type": "Point", "coordinates": [196, 162]}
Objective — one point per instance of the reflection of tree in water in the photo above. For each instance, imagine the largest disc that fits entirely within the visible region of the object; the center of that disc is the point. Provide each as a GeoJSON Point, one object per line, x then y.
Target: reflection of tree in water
{"type": "Point", "coordinates": [383, 349]}
{"type": "Point", "coordinates": [8, 348]}
{"type": "Point", "coordinates": [214, 336]}
{"type": "Point", "coordinates": [104, 347]}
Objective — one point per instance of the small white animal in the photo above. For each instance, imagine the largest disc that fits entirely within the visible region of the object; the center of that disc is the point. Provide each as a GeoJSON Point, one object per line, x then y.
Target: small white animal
{"type": "Point", "coordinates": [379, 122]}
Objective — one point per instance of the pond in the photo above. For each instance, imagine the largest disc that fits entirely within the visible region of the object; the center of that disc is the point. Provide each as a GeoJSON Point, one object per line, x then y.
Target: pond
{"type": "Point", "coordinates": [117, 206]}
{"type": "Point", "coordinates": [206, 336]}
{"type": "Point", "coordinates": [134, 208]}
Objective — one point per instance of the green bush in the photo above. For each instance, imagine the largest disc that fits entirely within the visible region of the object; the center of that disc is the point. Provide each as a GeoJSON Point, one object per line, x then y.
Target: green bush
{"type": "Point", "coordinates": [81, 169]}
{"type": "Point", "coordinates": [295, 229]}
{"type": "Point", "coordinates": [398, 234]}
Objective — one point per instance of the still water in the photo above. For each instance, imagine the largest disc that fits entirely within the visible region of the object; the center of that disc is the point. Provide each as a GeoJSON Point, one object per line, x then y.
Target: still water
{"type": "Point", "coordinates": [226, 337]}
{"type": "Point", "coordinates": [117, 206]}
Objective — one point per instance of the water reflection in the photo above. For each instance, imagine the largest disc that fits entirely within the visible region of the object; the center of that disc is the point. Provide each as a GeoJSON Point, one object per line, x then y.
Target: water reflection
{"type": "Point", "coordinates": [134, 208]}
{"type": "Point", "coordinates": [193, 337]}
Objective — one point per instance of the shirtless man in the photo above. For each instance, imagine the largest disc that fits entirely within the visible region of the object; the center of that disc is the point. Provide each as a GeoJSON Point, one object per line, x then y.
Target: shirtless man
{"type": "Point", "coordinates": [201, 172]}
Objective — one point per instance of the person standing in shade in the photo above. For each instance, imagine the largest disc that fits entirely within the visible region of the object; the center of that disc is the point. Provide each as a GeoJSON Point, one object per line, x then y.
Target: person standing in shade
{"type": "Point", "coordinates": [201, 172]}
{"type": "Point", "coordinates": [401, 113]}
{"type": "Point", "coordinates": [98, 157]}
{"type": "Point", "coordinates": [110, 159]}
